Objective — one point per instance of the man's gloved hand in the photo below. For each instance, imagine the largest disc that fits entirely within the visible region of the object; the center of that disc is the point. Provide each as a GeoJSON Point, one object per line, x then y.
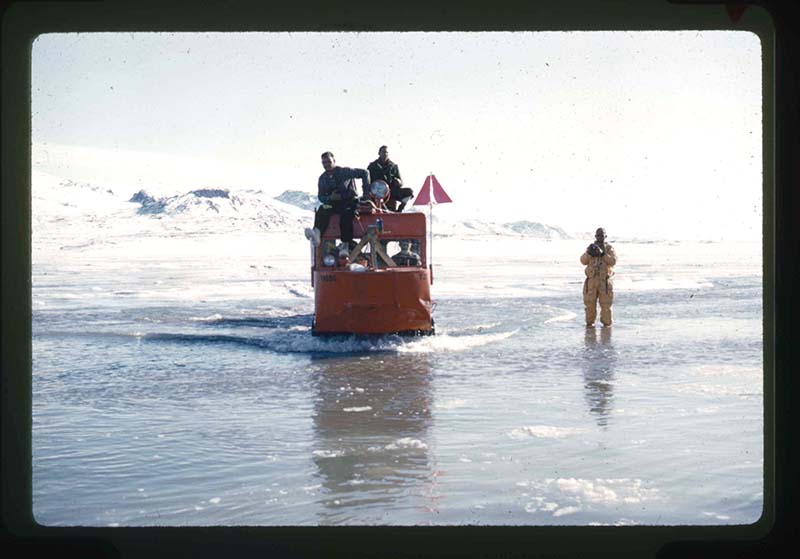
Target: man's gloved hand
{"type": "Point", "coordinates": [594, 250]}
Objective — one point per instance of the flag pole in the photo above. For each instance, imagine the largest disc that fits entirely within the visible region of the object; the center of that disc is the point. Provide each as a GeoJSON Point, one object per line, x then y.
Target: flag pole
{"type": "Point", "coordinates": [430, 232]}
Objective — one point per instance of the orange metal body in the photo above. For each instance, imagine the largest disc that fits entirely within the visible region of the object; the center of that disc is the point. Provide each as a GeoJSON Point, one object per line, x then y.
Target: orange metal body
{"type": "Point", "coordinates": [378, 301]}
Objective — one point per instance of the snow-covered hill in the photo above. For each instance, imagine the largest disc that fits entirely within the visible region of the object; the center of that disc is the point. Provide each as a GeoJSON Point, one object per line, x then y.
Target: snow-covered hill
{"type": "Point", "coordinates": [300, 199]}
{"type": "Point", "coordinates": [204, 209]}
{"type": "Point", "coordinates": [95, 223]}
{"type": "Point", "coordinates": [478, 228]}
{"type": "Point", "coordinates": [210, 209]}
{"type": "Point", "coordinates": [539, 230]}
{"type": "Point", "coordinates": [54, 196]}
{"type": "Point", "coordinates": [219, 208]}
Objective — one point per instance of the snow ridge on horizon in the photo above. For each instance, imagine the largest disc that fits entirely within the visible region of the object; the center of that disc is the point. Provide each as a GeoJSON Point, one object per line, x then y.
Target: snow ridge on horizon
{"type": "Point", "coordinates": [207, 208]}
{"type": "Point", "coordinates": [245, 208]}
{"type": "Point", "coordinates": [213, 209]}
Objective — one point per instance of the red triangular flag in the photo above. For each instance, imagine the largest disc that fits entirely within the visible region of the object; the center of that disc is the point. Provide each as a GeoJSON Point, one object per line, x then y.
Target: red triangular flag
{"type": "Point", "coordinates": [439, 195]}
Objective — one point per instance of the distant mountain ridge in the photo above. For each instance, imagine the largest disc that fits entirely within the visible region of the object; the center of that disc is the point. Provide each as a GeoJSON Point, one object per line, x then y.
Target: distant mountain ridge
{"type": "Point", "coordinates": [203, 197]}
{"type": "Point", "coordinates": [209, 209]}
{"type": "Point", "coordinates": [479, 228]}
{"type": "Point", "coordinates": [535, 229]}
{"type": "Point", "coordinates": [209, 206]}
{"type": "Point", "coordinates": [297, 198]}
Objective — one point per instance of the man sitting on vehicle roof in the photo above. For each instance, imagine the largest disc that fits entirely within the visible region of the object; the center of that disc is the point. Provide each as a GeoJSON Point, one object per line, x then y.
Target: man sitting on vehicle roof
{"type": "Point", "coordinates": [387, 170]}
{"type": "Point", "coordinates": [405, 257]}
{"type": "Point", "coordinates": [336, 189]}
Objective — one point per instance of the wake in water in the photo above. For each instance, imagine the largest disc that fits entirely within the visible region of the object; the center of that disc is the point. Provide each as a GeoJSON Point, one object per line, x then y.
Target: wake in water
{"type": "Point", "coordinates": [284, 330]}
{"type": "Point", "coordinates": [293, 335]}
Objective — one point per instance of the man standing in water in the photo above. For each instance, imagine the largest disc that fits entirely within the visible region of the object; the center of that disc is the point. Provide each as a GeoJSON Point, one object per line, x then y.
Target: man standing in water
{"type": "Point", "coordinates": [336, 189]}
{"type": "Point", "coordinates": [387, 170]}
{"type": "Point", "coordinates": [599, 260]}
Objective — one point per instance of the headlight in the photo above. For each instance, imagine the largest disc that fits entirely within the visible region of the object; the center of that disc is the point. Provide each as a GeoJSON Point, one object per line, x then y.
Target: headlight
{"type": "Point", "coordinates": [379, 189]}
{"type": "Point", "coordinates": [329, 260]}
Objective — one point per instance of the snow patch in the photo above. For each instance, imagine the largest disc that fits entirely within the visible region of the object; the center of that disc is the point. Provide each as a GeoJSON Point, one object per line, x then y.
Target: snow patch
{"type": "Point", "coordinates": [545, 432]}
{"type": "Point", "coordinates": [406, 442]}
{"type": "Point", "coordinates": [565, 496]}
{"type": "Point", "coordinates": [328, 453]}
{"type": "Point", "coordinates": [450, 404]}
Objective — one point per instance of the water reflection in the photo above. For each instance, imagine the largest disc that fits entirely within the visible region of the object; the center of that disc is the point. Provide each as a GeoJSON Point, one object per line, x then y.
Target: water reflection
{"type": "Point", "coordinates": [371, 421]}
{"type": "Point", "coordinates": [598, 373]}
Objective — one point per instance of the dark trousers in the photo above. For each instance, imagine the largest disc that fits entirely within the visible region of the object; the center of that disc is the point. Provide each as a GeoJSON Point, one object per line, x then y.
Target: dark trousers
{"type": "Point", "coordinates": [396, 195]}
{"type": "Point", "coordinates": [346, 210]}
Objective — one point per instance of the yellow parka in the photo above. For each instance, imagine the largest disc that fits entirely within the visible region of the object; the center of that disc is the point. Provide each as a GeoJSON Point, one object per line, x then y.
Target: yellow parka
{"type": "Point", "coordinates": [600, 266]}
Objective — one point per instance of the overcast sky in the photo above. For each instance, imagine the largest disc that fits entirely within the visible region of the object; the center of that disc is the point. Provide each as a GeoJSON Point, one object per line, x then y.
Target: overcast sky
{"type": "Point", "coordinates": [645, 133]}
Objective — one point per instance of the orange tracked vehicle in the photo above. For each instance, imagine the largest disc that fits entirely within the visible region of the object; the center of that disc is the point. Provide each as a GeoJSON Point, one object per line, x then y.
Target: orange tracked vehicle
{"type": "Point", "coordinates": [365, 291]}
